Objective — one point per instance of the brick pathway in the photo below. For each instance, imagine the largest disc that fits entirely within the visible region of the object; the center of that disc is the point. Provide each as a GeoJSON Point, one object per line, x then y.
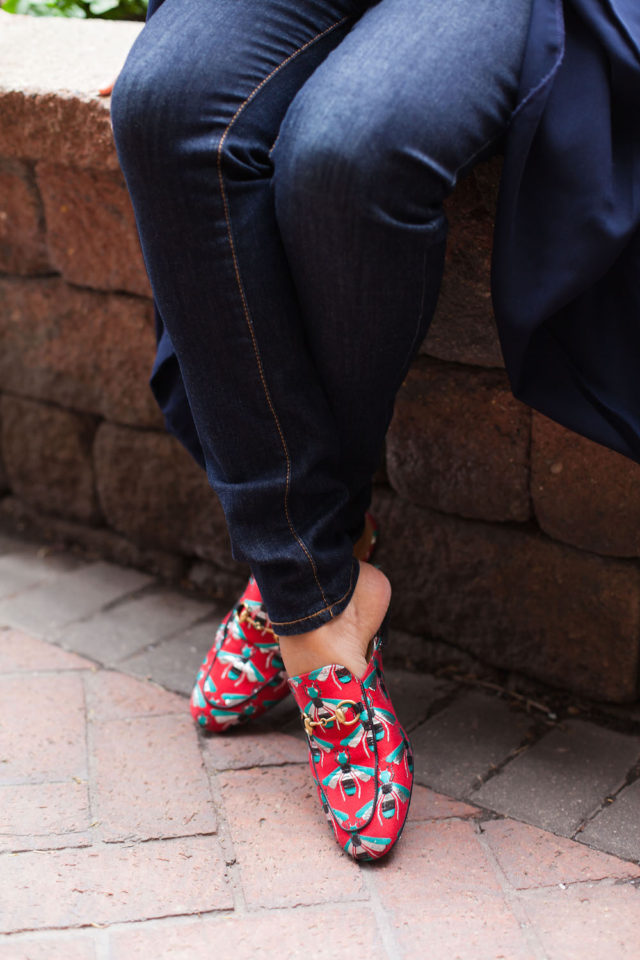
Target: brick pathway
{"type": "Point", "coordinates": [124, 833]}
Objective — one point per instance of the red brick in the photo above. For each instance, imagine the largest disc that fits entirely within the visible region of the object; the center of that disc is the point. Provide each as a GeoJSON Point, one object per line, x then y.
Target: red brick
{"type": "Point", "coordinates": [149, 779]}
{"type": "Point", "coordinates": [171, 504]}
{"type": "Point", "coordinates": [444, 897]}
{"type": "Point", "coordinates": [589, 921]}
{"type": "Point", "coordinates": [43, 728]}
{"type": "Point", "coordinates": [246, 749]}
{"type": "Point", "coordinates": [326, 934]}
{"type": "Point", "coordinates": [31, 129]}
{"type": "Point", "coordinates": [285, 848]}
{"type": "Point", "coordinates": [48, 459]}
{"type": "Point", "coordinates": [534, 858]}
{"type": "Point", "coordinates": [115, 696]}
{"type": "Point", "coordinates": [459, 442]}
{"type": "Point", "coordinates": [471, 926]}
{"type": "Point", "coordinates": [513, 598]}
{"type": "Point", "coordinates": [22, 240]}
{"type": "Point", "coordinates": [20, 652]}
{"type": "Point", "coordinates": [38, 815]}
{"type": "Point", "coordinates": [584, 493]}
{"type": "Point", "coordinates": [78, 348]}
{"type": "Point", "coordinates": [426, 804]}
{"type": "Point", "coordinates": [111, 883]}
{"type": "Point", "coordinates": [464, 328]}
{"type": "Point", "coordinates": [91, 232]}
{"type": "Point", "coordinates": [4, 480]}
{"type": "Point", "coordinates": [74, 946]}
{"type": "Point", "coordinates": [429, 857]}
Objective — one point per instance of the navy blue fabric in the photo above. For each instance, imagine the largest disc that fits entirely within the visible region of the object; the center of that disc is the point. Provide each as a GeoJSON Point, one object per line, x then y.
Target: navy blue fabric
{"type": "Point", "coordinates": [168, 388]}
{"type": "Point", "coordinates": [567, 245]}
{"type": "Point", "coordinates": [166, 380]}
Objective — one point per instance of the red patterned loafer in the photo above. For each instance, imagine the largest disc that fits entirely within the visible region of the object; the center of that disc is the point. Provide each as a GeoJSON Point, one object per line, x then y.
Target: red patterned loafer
{"type": "Point", "coordinates": [360, 756]}
{"type": "Point", "coordinates": [243, 674]}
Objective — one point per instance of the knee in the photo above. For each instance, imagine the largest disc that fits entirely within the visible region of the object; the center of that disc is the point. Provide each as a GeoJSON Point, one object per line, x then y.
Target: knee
{"type": "Point", "coordinates": [142, 108]}
{"type": "Point", "coordinates": [156, 107]}
{"type": "Point", "coordinates": [317, 161]}
{"type": "Point", "coordinates": [359, 163]}
{"type": "Point", "coordinates": [169, 110]}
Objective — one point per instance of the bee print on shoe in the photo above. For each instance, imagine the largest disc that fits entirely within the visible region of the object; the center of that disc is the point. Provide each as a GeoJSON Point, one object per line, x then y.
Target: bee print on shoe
{"type": "Point", "coordinates": [359, 755]}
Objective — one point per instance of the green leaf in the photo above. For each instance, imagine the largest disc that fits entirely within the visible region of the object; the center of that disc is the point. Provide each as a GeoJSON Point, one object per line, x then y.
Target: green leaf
{"type": "Point", "coordinates": [98, 7]}
{"type": "Point", "coordinates": [32, 7]}
{"type": "Point", "coordinates": [108, 9]}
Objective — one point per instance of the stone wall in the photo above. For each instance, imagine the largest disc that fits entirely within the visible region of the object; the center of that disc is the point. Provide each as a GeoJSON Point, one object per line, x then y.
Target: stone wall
{"type": "Point", "coordinates": [505, 535]}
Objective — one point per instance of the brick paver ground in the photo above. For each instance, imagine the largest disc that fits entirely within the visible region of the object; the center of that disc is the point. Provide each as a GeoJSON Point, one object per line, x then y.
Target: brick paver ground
{"type": "Point", "coordinates": [125, 833]}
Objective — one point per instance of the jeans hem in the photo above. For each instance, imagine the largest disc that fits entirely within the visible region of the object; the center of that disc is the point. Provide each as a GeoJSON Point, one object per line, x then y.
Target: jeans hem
{"type": "Point", "coordinates": [316, 619]}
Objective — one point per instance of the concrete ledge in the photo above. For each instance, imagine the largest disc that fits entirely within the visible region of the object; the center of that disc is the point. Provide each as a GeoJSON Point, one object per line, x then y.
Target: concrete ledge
{"type": "Point", "coordinates": [52, 69]}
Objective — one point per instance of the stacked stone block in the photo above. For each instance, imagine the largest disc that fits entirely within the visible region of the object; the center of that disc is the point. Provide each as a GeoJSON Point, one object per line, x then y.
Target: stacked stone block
{"type": "Point", "coordinates": [505, 535]}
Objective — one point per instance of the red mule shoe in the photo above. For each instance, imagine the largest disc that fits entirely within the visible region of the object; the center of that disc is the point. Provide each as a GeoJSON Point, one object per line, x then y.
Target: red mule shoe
{"type": "Point", "coordinates": [243, 675]}
{"type": "Point", "coordinates": [360, 756]}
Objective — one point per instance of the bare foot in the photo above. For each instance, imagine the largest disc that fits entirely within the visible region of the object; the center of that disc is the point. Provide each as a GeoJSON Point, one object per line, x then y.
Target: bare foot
{"type": "Point", "coordinates": [344, 639]}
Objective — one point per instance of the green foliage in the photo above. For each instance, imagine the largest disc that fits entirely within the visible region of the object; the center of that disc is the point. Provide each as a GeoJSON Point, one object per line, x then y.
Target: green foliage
{"type": "Point", "coordinates": [106, 9]}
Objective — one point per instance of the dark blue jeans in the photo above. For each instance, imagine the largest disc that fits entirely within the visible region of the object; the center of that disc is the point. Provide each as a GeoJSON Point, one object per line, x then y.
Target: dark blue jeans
{"type": "Point", "coordinates": [287, 162]}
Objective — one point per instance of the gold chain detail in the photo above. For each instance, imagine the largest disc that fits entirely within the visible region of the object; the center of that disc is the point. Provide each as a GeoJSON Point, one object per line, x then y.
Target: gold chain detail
{"type": "Point", "coordinates": [245, 617]}
{"type": "Point", "coordinates": [338, 717]}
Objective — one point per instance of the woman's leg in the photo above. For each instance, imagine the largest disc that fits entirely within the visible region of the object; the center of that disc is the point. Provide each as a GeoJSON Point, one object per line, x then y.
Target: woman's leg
{"type": "Point", "coordinates": [196, 111]}
{"type": "Point", "coordinates": [368, 149]}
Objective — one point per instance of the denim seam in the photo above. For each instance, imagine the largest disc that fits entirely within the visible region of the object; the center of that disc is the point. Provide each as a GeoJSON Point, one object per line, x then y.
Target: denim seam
{"type": "Point", "coordinates": [273, 145]}
{"type": "Point", "coordinates": [245, 305]}
{"type": "Point", "coordinates": [330, 606]}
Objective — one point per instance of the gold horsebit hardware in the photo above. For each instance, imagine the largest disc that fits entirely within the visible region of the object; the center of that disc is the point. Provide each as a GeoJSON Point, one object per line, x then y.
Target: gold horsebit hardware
{"type": "Point", "coordinates": [338, 717]}
{"type": "Point", "coordinates": [245, 617]}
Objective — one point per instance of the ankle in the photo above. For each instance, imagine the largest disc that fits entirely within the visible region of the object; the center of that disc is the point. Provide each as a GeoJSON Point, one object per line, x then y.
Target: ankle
{"type": "Point", "coordinates": [344, 639]}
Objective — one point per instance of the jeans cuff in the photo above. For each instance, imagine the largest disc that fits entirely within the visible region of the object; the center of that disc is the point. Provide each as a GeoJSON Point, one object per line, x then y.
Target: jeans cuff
{"type": "Point", "coordinates": [328, 612]}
